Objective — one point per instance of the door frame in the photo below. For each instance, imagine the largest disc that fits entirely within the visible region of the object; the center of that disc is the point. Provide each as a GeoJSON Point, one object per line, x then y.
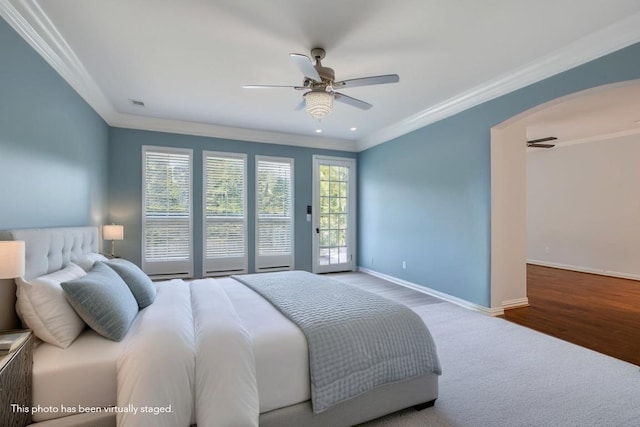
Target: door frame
{"type": "Point", "coordinates": [351, 224]}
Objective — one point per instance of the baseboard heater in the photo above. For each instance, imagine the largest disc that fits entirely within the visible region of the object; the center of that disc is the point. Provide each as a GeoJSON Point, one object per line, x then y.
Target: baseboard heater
{"type": "Point", "coordinates": [274, 268]}
{"type": "Point", "coordinates": [169, 276]}
{"type": "Point", "coordinates": [215, 273]}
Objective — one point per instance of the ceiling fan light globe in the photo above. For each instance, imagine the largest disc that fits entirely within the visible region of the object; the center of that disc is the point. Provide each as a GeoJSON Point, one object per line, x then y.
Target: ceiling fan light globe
{"type": "Point", "coordinates": [318, 104]}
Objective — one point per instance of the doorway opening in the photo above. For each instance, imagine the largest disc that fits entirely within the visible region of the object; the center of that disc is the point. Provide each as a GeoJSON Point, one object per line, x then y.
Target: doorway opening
{"type": "Point", "coordinates": [592, 115]}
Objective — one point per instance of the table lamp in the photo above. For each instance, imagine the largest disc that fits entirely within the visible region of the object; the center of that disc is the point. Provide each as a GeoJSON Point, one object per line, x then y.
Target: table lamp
{"type": "Point", "coordinates": [113, 232]}
{"type": "Point", "coordinates": [11, 259]}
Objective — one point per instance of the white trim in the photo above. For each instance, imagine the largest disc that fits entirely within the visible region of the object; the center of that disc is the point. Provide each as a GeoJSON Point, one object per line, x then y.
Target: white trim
{"type": "Point", "coordinates": [28, 20]}
{"type": "Point", "coordinates": [515, 303]}
{"type": "Point", "coordinates": [581, 269]}
{"type": "Point", "coordinates": [226, 132]}
{"type": "Point", "coordinates": [609, 39]}
{"type": "Point", "coordinates": [425, 290]}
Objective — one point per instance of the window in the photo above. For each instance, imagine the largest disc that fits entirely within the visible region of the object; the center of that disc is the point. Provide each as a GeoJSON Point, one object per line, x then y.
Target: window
{"type": "Point", "coordinates": [167, 249]}
{"type": "Point", "coordinates": [274, 218]}
{"type": "Point", "coordinates": [225, 222]}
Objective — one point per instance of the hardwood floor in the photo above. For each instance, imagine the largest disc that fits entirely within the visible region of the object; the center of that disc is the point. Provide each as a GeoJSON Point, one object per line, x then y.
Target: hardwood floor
{"type": "Point", "coordinates": [598, 312]}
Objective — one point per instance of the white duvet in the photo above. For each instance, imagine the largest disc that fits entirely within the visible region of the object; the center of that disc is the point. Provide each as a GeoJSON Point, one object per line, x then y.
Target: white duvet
{"type": "Point", "coordinates": [279, 347]}
{"type": "Point", "coordinates": [157, 369]}
{"type": "Point", "coordinates": [226, 388]}
{"type": "Point", "coordinates": [210, 352]}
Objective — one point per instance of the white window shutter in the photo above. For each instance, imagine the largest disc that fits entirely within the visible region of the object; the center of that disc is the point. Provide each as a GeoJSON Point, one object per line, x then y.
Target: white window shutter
{"type": "Point", "coordinates": [167, 244]}
{"type": "Point", "coordinates": [225, 224]}
{"type": "Point", "coordinates": [274, 207]}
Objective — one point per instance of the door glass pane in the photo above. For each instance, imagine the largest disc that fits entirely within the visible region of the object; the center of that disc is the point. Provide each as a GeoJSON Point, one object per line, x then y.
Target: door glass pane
{"type": "Point", "coordinates": [342, 254]}
{"type": "Point", "coordinates": [334, 195]}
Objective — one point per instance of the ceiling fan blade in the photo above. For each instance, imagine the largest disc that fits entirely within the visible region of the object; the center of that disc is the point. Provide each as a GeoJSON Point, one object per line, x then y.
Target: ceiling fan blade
{"type": "Point", "coordinates": [351, 101]}
{"type": "Point", "coordinates": [536, 145]}
{"type": "Point", "coordinates": [272, 86]}
{"type": "Point", "coordinates": [535, 141]}
{"type": "Point", "coordinates": [300, 106]}
{"type": "Point", "coordinates": [367, 81]}
{"type": "Point", "coordinates": [306, 66]}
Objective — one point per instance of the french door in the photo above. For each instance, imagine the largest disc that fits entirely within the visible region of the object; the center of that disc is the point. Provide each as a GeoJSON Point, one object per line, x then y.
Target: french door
{"type": "Point", "coordinates": [334, 214]}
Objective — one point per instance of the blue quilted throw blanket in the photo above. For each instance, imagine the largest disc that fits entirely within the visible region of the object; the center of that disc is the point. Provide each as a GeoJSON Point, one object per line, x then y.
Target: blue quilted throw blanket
{"type": "Point", "coordinates": [357, 340]}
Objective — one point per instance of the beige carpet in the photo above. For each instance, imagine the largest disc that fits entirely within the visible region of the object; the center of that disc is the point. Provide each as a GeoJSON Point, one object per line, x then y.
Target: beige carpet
{"type": "Point", "coordinates": [497, 373]}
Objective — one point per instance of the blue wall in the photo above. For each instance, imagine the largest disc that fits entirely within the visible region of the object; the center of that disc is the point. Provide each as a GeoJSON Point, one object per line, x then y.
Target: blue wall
{"type": "Point", "coordinates": [125, 187]}
{"type": "Point", "coordinates": [53, 146]}
{"type": "Point", "coordinates": [425, 198]}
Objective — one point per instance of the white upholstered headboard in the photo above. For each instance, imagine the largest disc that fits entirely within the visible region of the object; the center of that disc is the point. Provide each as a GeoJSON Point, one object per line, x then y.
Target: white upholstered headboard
{"type": "Point", "coordinates": [50, 249]}
{"type": "Point", "coordinates": [46, 250]}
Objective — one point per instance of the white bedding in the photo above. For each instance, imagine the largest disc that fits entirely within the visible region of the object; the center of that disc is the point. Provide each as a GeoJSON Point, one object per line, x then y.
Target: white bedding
{"type": "Point", "coordinates": [162, 363]}
{"type": "Point", "coordinates": [156, 371]}
{"type": "Point", "coordinates": [156, 365]}
{"type": "Point", "coordinates": [279, 348]}
{"type": "Point", "coordinates": [226, 390]}
{"type": "Point", "coordinates": [153, 367]}
{"type": "Point", "coordinates": [83, 374]}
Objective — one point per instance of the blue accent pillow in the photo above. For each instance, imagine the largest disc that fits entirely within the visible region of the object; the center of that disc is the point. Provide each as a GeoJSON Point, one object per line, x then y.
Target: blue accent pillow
{"type": "Point", "coordinates": [103, 301]}
{"type": "Point", "coordinates": [140, 284]}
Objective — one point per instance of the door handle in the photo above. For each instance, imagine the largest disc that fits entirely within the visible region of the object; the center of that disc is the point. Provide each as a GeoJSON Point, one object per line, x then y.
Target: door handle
{"type": "Point", "coordinates": [317, 230]}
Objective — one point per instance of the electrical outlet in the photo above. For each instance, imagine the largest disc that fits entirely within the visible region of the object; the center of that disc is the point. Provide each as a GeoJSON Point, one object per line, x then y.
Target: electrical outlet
{"type": "Point", "coordinates": [371, 260]}
{"type": "Point", "coordinates": [546, 249]}
{"type": "Point", "coordinates": [404, 265]}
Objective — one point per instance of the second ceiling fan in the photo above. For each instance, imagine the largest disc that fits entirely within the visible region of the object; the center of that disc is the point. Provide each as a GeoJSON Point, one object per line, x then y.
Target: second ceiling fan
{"type": "Point", "coordinates": [320, 85]}
{"type": "Point", "coordinates": [540, 143]}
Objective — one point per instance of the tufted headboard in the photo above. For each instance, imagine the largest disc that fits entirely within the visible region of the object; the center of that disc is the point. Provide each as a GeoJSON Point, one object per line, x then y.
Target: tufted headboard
{"type": "Point", "coordinates": [51, 249]}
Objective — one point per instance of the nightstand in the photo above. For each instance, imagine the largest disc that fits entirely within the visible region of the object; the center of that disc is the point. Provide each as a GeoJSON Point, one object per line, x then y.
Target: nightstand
{"type": "Point", "coordinates": [15, 385]}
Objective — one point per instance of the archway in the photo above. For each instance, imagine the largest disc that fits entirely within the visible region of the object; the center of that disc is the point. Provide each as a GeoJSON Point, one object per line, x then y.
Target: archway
{"type": "Point", "coordinates": [508, 201]}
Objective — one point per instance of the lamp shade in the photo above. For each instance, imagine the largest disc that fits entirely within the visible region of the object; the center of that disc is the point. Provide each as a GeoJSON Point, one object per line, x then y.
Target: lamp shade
{"type": "Point", "coordinates": [318, 103]}
{"type": "Point", "coordinates": [113, 232]}
{"type": "Point", "coordinates": [11, 259]}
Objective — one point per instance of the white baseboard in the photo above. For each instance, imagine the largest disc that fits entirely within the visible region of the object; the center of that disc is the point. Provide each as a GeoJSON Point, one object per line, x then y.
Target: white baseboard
{"type": "Point", "coordinates": [434, 293]}
{"type": "Point", "coordinates": [584, 269]}
{"type": "Point", "coordinates": [515, 303]}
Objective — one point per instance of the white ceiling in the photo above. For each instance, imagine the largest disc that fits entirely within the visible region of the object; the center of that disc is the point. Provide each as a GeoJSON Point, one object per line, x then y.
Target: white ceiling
{"type": "Point", "coordinates": [188, 60]}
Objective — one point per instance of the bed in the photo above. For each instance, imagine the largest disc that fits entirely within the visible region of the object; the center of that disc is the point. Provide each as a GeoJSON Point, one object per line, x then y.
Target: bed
{"type": "Point", "coordinates": [211, 352]}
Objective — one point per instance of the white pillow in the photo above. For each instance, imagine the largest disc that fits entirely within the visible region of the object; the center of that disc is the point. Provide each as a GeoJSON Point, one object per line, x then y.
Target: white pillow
{"type": "Point", "coordinates": [86, 261]}
{"type": "Point", "coordinates": [43, 307]}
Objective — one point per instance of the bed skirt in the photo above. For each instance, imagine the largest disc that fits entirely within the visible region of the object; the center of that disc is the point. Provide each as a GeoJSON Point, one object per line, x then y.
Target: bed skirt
{"type": "Point", "coordinates": [376, 403]}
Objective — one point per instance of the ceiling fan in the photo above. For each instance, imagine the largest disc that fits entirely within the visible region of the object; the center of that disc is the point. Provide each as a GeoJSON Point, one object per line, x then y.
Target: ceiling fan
{"type": "Point", "coordinates": [538, 143]}
{"type": "Point", "coordinates": [320, 85]}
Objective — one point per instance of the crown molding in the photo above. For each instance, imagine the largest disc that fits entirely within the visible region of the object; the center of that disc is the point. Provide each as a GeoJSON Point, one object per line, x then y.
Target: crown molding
{"type": "Point", "coordinates": [130, 121]}
{"type": "Point", "coordinates": [28, 19]}
{"type": "Point", "coordinates": [609, 39]}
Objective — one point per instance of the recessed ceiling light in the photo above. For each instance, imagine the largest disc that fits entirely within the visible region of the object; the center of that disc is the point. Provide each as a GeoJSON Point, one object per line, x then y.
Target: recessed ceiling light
{"type": "Point", "coordinates": [353, 129]}
{"type": "Point", "coordinates": [318, 130]}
